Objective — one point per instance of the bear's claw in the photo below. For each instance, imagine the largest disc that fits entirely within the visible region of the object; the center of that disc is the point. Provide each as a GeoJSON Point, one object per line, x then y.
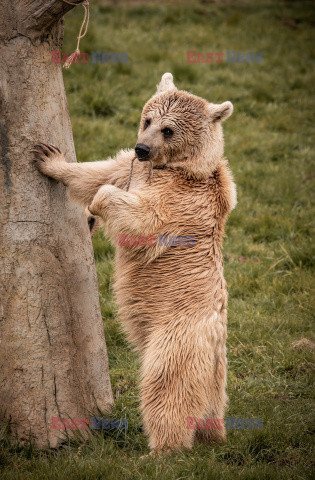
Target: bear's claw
{"type": "Point", "coordinates": [45, 156]}
{"type": "Point", "coordinates": [46, 149]}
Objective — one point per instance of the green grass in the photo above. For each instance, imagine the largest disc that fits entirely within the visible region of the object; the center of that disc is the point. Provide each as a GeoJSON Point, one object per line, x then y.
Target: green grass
{"type": "Point", "coordinates": [268, 248]}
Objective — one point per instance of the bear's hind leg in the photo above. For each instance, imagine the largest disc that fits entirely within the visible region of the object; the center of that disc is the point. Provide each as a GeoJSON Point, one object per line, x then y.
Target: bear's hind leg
{"type": "Point", "coordinates": [171, 392]}
{"type": "Point", "coordinates": [214, 431]}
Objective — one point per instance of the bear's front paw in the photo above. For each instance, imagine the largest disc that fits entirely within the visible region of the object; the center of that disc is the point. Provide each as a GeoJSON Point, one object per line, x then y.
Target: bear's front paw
{"type": "Point", "coordinates": [102, 199]}
{"type": "Point", "coordinates": [46, 156]}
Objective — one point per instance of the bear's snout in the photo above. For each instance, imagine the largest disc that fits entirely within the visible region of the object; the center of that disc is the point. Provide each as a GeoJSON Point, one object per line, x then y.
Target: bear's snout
{"type": "Point", "coordinates": [142, 151]}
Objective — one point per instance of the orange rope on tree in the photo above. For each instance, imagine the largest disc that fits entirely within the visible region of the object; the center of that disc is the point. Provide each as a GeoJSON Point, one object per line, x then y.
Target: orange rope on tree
{"type": "Point", "coordinates": [85, 4]}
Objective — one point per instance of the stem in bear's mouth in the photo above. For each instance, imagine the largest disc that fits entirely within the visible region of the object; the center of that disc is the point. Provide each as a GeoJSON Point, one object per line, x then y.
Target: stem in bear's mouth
{"type": "Point", "coordinates": [130, 173]}
{"type": "Point", "coordinates": [131, 169]}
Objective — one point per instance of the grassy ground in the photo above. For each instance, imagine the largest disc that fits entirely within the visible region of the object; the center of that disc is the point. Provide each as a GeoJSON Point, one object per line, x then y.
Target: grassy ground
{"type": "Point", "coordinates": [268, 247]}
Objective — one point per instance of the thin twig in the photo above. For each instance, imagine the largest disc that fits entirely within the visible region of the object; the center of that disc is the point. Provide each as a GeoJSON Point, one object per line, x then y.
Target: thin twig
{"type": "Point", "coordinates": [130, 173]}
{"type": "Point", "coordinates": [131, 170]}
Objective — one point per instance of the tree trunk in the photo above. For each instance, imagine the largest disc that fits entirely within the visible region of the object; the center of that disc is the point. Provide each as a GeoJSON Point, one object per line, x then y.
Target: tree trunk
{"type": "Point", "coordinates": [53, 359]}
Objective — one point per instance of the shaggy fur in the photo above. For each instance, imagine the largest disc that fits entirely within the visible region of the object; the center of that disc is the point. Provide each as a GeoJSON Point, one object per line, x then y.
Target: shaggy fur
{"type": "Point", "coordinates": [172, 298]}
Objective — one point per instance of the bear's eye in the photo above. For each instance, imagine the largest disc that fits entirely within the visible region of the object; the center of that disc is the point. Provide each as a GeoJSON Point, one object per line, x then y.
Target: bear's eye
{"type": "Point", "coordinates": [167, 132]}
{"type": "Point", "coordinates": [147, 123]}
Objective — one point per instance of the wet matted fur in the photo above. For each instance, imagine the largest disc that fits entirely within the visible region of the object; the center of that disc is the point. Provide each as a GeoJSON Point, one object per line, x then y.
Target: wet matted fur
{"type": "Point", "coordinates": [172, 297]}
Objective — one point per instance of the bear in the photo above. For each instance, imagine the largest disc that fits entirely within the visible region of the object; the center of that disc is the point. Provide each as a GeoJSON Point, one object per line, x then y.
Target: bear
{"type": "Point", "coordinates": [172, 295]}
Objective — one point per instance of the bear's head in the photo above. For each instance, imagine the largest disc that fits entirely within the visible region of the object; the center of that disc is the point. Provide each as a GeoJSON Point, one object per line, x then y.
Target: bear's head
{"type": "Point", "coordinates": [182, 130]}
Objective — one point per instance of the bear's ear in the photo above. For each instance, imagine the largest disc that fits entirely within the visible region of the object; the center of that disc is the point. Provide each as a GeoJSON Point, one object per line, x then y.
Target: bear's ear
{"type": "Point", "coordinates": [220, 112]}
{"type": "Point", "coordinates": [166, 83]}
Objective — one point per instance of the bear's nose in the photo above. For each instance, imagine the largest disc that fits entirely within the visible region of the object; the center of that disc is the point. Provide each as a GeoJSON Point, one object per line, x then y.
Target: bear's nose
{"type": "Point", "coordinates": [142, 151]}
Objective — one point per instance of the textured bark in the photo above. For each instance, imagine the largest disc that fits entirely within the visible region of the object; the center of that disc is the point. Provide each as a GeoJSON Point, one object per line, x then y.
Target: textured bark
{"type": "Point", "coordinates": [53, 359]}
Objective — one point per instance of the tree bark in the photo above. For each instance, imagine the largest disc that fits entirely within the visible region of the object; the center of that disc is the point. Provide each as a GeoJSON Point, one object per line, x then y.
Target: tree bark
{"type": "Point", "coordinates": [53, 359]}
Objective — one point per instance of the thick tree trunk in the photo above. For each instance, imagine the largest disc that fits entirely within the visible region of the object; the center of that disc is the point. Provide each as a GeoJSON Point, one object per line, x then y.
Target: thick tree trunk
{"type": "Point", "coordinates": [53, 359]}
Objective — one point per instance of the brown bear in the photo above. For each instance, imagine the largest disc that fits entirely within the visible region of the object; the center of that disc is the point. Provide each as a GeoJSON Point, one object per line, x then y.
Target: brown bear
{"type": "Point", "coordinates": [169, 283]}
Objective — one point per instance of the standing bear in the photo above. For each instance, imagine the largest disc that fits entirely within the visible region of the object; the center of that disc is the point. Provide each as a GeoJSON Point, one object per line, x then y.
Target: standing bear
{"type": "Point", "coordinates": [166, 218]}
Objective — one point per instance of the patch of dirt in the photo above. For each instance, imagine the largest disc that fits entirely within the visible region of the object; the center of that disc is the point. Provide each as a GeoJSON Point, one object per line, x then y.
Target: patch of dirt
{"type": "Point", "coordinates": [303, 344]}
